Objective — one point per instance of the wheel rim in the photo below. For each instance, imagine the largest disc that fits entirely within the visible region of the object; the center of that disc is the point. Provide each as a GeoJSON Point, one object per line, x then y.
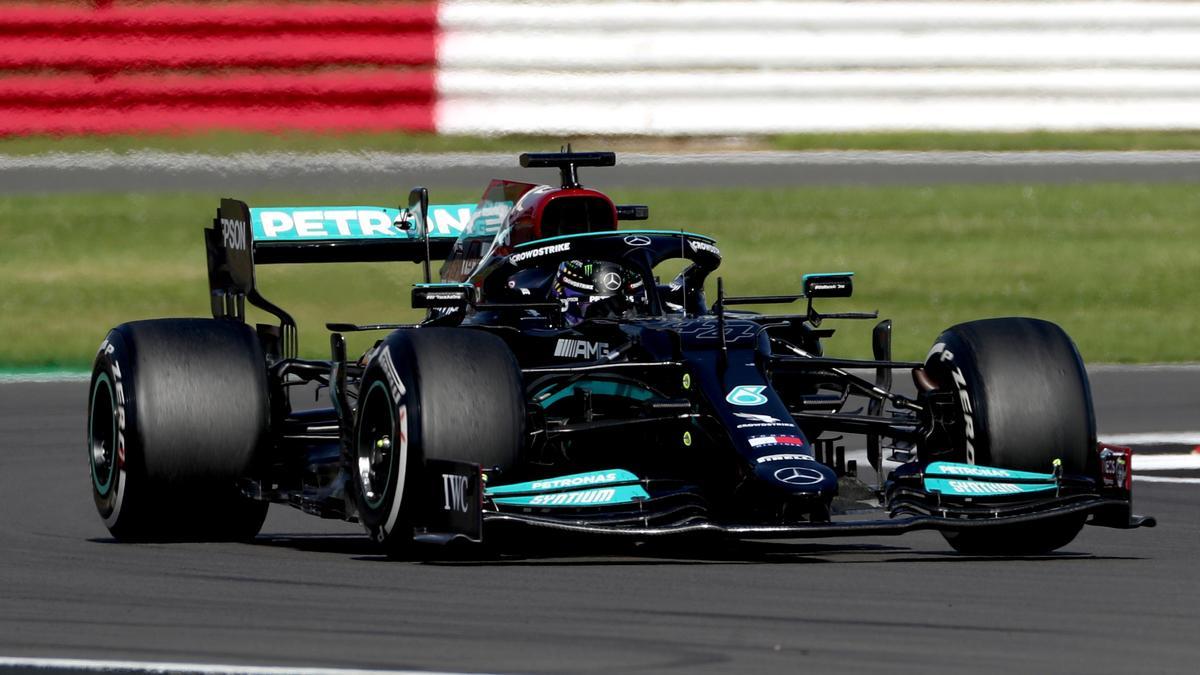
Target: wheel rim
{"type": "Point", "coordinates": [102, 435]}
{"type": "Point", "coordinates": [375, 446]}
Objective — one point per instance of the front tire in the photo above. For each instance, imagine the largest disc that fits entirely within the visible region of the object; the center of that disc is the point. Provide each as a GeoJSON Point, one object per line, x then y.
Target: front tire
{"type": "Point", "coordinates": [430, 393]}
{"type": "Point", "coordinates": [1023, 401]}
{"type": "Point", "coordinates": [177, 413]}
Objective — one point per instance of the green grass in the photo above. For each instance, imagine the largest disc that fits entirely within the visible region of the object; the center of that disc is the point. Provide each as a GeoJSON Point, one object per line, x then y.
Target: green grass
{"type": "Point", "coordinates": [231, 141]}
{"type": "Point", "coordinates": [1116, 265]}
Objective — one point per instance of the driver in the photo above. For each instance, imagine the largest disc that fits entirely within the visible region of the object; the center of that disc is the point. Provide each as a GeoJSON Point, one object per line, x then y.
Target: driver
{"type": "Point", "coordinates": [595, 289]}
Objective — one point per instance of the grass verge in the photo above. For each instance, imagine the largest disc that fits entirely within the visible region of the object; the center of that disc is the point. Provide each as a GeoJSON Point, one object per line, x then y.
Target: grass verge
{"type": "Point", "coordinates": [1114, 264]}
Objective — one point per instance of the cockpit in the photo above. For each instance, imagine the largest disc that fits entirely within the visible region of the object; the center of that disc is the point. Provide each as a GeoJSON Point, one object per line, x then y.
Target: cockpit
{"type": "Point", "coordinates": [528, 244]}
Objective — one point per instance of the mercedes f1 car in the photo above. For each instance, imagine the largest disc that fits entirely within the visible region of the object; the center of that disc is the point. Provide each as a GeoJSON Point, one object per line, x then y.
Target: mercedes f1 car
{"type": "Point", "coordinates": [558, 383]}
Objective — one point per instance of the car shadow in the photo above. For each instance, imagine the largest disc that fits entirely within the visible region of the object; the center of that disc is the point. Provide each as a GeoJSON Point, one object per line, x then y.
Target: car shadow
{"type": "Point", "coordinates": [567, 552]}
{"type": "Point", "coordinates": [582, 551]}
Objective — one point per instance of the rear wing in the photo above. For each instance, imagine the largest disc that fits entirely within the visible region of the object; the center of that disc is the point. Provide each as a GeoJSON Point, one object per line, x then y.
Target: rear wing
{"type": "Point", "coordinates": [242, 238]}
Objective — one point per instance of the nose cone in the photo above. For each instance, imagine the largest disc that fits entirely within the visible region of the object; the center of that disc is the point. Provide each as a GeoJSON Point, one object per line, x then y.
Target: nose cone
{"type": "Point", "coordinates": [798, 476]}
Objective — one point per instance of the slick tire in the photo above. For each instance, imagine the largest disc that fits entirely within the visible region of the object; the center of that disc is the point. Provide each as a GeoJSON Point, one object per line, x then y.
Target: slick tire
{"type": "Point", "coordinates": [430, 393]}
{"type": "Point", "coordinates": [177, 413]}
{"type": "Point", "coordinates": [1023, 402]}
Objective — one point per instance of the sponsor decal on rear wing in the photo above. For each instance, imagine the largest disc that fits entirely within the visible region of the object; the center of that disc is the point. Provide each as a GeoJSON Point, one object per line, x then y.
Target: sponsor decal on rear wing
{"type": "Point", "coordinates": [334, 223]}
{"type": "Point", "coordinates": [241, 238]}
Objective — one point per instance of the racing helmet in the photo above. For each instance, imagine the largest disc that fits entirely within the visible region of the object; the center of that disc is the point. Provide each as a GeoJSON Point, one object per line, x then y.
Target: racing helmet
{"type": "Point", "coordinates": [590, 288]}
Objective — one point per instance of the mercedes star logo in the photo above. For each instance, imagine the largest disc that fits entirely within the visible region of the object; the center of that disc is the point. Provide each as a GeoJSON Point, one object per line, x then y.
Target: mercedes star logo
{"type": "Point", "coordinates": [797, 475]}
{"type": "Point", "coordinates": [611, 281]}
{"type": "Point", "coordinates": [637, 240]}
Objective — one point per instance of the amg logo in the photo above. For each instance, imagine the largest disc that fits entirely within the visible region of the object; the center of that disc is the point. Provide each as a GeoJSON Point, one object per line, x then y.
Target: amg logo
{"type": "Point", "coordinates": [539, 252]}
{"type": "Point", "coordinates": [601, 496]}
{"type": "Point", "coordinates": [454, 489]}
{"type": "Point", "coordinates": [233, 233]}
{"type": "Point", "coordinates": [580, 349]}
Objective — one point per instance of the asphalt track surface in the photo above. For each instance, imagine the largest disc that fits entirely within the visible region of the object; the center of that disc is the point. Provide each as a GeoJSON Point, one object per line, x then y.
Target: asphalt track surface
{"type": "Point", "coordinates": [239, 173]}
{"type": "Point", "coordinates": [313, 593]}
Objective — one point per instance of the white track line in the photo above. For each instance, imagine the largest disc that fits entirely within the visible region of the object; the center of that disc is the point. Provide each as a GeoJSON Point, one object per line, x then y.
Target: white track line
{"type": "Point", "coordinates": [1166, 479]}
{"type": "Point", "coordinates": [95, 665]}
{"type": "Point", "coordinates": [1153, 438]}
{"type": "Point", "coordinates": [1165, 462]}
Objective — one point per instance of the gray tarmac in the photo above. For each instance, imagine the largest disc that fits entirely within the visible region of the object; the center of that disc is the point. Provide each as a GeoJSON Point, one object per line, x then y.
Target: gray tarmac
{"type": "Point", "coordinates": [313, 593]}
{"type": "Point", "coordinates": [239, 173]}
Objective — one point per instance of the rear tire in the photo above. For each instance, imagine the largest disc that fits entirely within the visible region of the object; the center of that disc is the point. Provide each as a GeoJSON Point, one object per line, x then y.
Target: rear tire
{"type": "Point", "coordinates": [177, 412]}
{"type": "Point", "coordinates": [1023, 402]}
{"type": "Point", "coordinates": [430, 393]}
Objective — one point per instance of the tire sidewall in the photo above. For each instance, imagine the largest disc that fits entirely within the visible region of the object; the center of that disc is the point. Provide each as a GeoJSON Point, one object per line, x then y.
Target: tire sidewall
{"type": "Point", "coordinates": [953, 365]}
{"type": "Point", "coordinates": [390, 375]}
{"type": "Point", "coordinates": [113, 373]}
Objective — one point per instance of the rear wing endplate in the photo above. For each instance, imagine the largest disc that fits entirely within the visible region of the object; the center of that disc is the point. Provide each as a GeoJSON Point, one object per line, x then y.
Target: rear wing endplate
{"type": "Point", "coordinates": [242, 238]}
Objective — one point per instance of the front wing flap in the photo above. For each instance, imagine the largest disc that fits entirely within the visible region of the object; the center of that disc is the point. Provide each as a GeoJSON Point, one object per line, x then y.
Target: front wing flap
{"type": "Point", "coordinates": [940, 496]}
{"type": "Point", "coordinates": [846, 528]}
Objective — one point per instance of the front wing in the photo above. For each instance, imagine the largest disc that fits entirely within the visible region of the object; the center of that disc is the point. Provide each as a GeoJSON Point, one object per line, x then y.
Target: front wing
{"type": "Point", "coordinates": [673, 510]}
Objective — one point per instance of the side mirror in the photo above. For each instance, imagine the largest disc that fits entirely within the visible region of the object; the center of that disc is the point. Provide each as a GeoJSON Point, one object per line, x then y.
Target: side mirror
{"type": "Point", "coordinates": [442, 296]}
{"type": "Point", "coordinates": [418, 215]}
{"type": "Point", "coordinates": [829, 285]}
{"type": "Point", "coordinates": [633, 212]}
{"type": "Point", "coordinates": [418, 209]}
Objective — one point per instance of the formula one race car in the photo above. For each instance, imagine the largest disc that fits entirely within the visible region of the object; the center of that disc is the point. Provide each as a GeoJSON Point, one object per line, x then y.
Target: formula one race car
{"type": "Point", "coordinates": [557, 383]}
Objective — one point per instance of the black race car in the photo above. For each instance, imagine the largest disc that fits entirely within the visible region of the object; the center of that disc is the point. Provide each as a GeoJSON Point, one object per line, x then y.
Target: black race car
{"type": "Point", "coordinates": [558, 383]}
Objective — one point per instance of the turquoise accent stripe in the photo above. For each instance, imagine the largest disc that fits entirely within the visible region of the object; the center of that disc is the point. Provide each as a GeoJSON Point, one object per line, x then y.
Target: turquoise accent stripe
{"type": "Point", "coordinates": [34, 375]}
{"type": "Point", "coordinates": [583, 235]}
{"type": "Point", "coordinates": [336, 223]}
{"type": "Point", "coordinates": [817, 275]}
{"type": "Point", "coordinates": [980, 488]}
{"type": "Point", "coordinates": [970, 480]}
{"type": "Point", "coordinates": [601, 387]}
{"type": "Point", "coordinates": [968, 471]}
{"type": "Point", "coordinates": [575, 480]}
{"type": "Point", "coordinates": [596, 496]}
